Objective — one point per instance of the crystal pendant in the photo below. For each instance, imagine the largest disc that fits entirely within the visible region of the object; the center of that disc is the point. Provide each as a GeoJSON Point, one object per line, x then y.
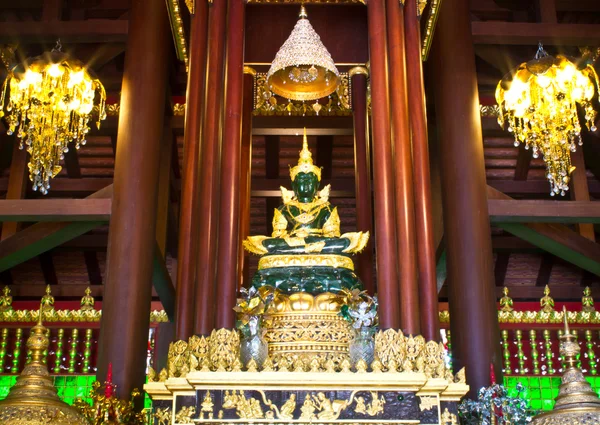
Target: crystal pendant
{"type": "Point", "coordinates": [362, 347]}
{"type": "Point", "coordinates": [253, 346]}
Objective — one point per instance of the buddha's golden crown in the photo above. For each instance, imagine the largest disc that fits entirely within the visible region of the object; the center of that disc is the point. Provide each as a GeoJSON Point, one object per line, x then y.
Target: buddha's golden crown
{"type": "Point", "coordinates": [305, 162]}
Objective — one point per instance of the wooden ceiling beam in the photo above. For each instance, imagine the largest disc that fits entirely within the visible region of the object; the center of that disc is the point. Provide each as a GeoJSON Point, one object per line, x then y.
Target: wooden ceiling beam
{"type": "Point", "coordinates": [541, 211]}
{"type": "Point", "coordinates": [55, 210]}
{"type": "Point", "coordinates": [524, 33]}
{"type": "Point", "coordinates": [88, 31]}
{"type": "Point", "coordinates": [42, 237]}
{"type": "Point", "coordinates": [555, 239]}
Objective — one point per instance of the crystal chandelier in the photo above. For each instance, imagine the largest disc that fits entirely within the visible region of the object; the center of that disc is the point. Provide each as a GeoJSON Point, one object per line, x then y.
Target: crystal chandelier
{"type": "Point", "coordinates": [303, 68]}
{"type": "Point", "coordinates": [538, 103]}
{"type": "Point", "coordinates": [49, 101]}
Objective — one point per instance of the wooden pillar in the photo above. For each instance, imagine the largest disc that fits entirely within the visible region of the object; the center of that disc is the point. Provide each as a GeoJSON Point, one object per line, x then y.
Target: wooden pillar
{"type": "Point", "coordinates": [246, 174]}
{"type": "Point", "coordinates": [189, 208]}
{"type": "Point", "coordinates": [228, 245]}
{"type": "Point", "coordinates": [474, 325]}
{"type": "Point", "coordinates": [17, 186]}
{"type": "Point", "coordinates": [383, 183]}
{"type": "Point", "coordinates": [428, 295]}
{"type": "Point", "coordinates": [131, 241]}
{"type": "Point", "coordinates": [362, 174]}
{"type": "Point", "coordinates": [209, 170]}
{"type": "Point", "coordinates": [403, 176]}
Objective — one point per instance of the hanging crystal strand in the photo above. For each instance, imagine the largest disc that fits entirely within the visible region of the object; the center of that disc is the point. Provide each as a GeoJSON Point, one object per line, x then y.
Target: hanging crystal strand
{"type": "Point", "coordinates": [59, 350]}
{"type": "Point", "coordinates": [506, 352]}
{"type": "Point", "coordinates": [534, 352]}
{"type": "Point", "coordinates": [45, 353]}
{"type": "Point", "coordinates": [548, 353]}
{"type": "Point", "coordinates": [3, 344]}
{"type": "Point", "coordinates": [520, 354]}
{"type": "Point", "coordinates": [449, 339]}
{"type": "Point", "coordinates": [17, 350]}
{"type": "Point", "coordinates": [562, 366]}
{"type": "Point", "coordinates": [575, 332]}
{"type": "Point", "coordinates": [87, 354]}
{"type": "Point", "coordinates": [590, 352]}
{"type": "Point", "coordinates": [152, 349]}
{"type": "Point", "coordinates": [73, 350]}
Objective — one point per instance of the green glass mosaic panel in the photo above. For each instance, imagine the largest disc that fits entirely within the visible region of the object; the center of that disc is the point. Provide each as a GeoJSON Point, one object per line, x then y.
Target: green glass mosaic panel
{"type": "Point", "coordinates": [69, 388]}
{"type": "Point", "coordinates": [541, 391]}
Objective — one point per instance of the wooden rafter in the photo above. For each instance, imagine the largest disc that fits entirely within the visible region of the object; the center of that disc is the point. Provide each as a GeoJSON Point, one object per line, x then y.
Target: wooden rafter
{"type": "Point", "coordinates": [88, 31]}
{"type": "Point", "coordinates": [554, 238]}
{"type": "Point", "coordinates": [17, 184]}
{"type": "Point", "coordinates": [580, 191]}
{"type": "Point", "coordinates": [490, 32]}
{"type": "Point", "coordinates": [501, 267]}
{"type": "Point", "coordinates": [55, 210]}
{"type": "Point", "coordinates": [530, 211]}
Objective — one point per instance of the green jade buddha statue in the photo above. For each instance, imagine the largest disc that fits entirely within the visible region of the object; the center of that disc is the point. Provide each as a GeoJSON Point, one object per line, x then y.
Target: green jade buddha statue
{"type": "Point", "coordinates": [306, 251]}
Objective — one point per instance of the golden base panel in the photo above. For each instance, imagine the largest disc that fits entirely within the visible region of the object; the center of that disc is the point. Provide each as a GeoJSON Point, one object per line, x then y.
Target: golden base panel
{"type": "Point", "coordinates": [307, 326]}
{"type": "Point", "coordinates": [205, 382]}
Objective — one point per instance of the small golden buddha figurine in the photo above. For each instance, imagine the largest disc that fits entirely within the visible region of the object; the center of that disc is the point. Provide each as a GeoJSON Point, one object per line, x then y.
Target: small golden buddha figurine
{"type": "Point", "coordinates": [87, 301]}
{"type": "Point", "coordinates": [48, 299]}
{"type": "Point", "coordinates": [546, 302]}
{"type": "Point", "coordinates": [6, 300]}
{"type": "Point", "coordinates": [306, 251]}
{"type": "Point", "coordinates": [587, 302]}
{"type": "Point", "coordinates": [506, 302]}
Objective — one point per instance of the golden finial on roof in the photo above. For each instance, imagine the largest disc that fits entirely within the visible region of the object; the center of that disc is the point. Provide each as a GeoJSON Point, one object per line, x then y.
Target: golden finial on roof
{"type": "Point", "coordinates": [48, 299]}
{"type": "Point", "coordinates": [87, 301]}
{"type": "Point", "coordinates": [576, 403]}
{"type": "Point", "coordinates": [6, 300]}
{"type": "Point", "coordinates": [33, 400]}
{"type": "Point", "coordinates": [587, 302]}
{"type": "Point", "coordinates": [547, 302]}
{"type": "Point", "coordinates": [305, 162]}
{"type": "Point", "coordinates": [506, 302]}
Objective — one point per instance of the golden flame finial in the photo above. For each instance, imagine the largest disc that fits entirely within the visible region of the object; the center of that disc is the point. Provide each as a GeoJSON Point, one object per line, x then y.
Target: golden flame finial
{"type": "Point", "coordinates": [305, 162]}
{"type": "Point", "coordinates": [303, 14]}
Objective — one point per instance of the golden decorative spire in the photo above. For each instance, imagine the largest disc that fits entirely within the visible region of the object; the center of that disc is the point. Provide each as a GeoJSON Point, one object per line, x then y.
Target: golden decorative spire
{"type": "Point", "coordinates": [87, 301]}
{"type": "Point", "coordinates": [305, 162]}
{"type": "Point", "coordinates": [576, 403]}
{"type": "Point", "coordinates": [33, 400]}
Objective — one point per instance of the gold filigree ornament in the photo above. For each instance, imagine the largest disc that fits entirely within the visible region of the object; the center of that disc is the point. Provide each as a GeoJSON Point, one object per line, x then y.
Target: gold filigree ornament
{"type": "Point", "coordinates": [6, 300]}
{"type": "Point", "coordinates": [576, 403]}
{"type": "Point", "coordinates": [33, 400]}
{"type": "Point", "coordinates": [449, 418]}
{"type": "Point", "coordinates": [224, 348]}
{"type": "Point", "coordinates": [308, 260]}
{"type": "Point", "coordinates": [303, 68]}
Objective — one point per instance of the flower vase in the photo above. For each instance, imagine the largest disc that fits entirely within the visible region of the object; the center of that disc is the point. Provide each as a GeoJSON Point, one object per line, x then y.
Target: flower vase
{"type": "Point", "coordinates": [253, 345]}
{"type": "Point", "coordinates": [362, 347]}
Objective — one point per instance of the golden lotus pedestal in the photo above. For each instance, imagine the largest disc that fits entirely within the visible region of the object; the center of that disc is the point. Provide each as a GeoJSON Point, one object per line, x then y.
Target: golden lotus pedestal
{"type": "Point", "coordinates": [306, 327]}
{"type": "Point", "coordinates": [276, 397]}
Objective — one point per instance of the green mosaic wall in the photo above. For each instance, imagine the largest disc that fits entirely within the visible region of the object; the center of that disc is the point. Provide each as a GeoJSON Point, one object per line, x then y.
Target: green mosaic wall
{"type": "Point", "coordinates": [541, 390]}
{"type": "Point", "coordinates": [69, 387]}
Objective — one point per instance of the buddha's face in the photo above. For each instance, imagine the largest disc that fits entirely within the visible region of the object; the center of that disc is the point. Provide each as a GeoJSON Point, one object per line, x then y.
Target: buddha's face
{"type": "Point", "coordinates": [305, 186]}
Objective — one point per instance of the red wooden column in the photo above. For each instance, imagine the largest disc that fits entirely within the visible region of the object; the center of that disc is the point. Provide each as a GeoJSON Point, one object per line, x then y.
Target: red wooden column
{"type": "Point", "coordinates": [403, 175]}
{"type": "Point", "coordinates": [246, 173]}
{"type": "Point", "coordinates": [362, 174]}
{"type": "Point", "coordinates": [383, 177]}
{"type": "Point", "coordinates": [474, 324]}
{"type": "Point", "coordinates": [428, 295]}
{"type": "Point", "coordinates": [189, 208]}
{"type": "Point", "coordinates": [209, 170]}
{"type": "Point", "coordinates": [228, 246]}
{"type": "Point", "coordinates": [128, 287]}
